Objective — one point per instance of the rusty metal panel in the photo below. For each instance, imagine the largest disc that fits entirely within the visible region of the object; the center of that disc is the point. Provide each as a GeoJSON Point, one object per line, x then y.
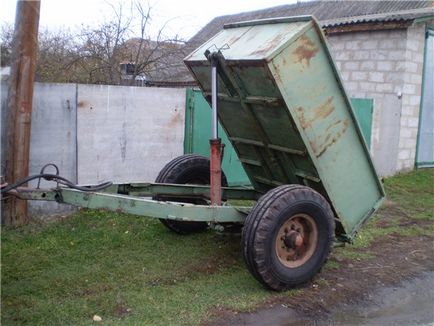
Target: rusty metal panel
{"type": "Point", "coordinates": [283, 106]}
{"type": "Point", "coordinates": [252, 42]}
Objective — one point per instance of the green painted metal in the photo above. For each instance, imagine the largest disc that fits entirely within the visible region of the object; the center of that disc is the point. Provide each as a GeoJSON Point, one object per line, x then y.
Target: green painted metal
{"type": "Point", "coordinates": [198, 131]}
{"type": "Point", "coordinates": [138, 206]}
{"type": "Point", "coordinates": [425, 134]}
{"type": "Point", "coordinates": [188, 191]}
{"type": "Point", "coordinates": [363, 108]}
{"type": "Point", "coordinates": [283, 107]}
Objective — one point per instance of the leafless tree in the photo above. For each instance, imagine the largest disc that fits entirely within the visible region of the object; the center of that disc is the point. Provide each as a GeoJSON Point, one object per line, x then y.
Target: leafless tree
{"type": "Point", "coordinates": [114, 42]}
{"type": "Point", "coordinates": [6, 36]}
{"type": "Point", "coordinates": [94, 54]}
{"type": "Point", "coordinates": [153, 57]}
{"type": "Point", "coordinates": [101, 48]}
{"type": "Point", "coordinates": [58, 60]}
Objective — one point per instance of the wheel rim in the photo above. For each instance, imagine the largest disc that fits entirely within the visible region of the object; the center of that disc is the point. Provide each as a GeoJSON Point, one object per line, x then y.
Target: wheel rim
{"type": "Point", "coordinates": [296, 240]}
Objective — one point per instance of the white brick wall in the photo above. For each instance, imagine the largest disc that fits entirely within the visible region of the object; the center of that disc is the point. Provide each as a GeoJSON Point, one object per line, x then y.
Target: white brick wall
{"type": "Point", "coordinates": [386, 66]}
{"type": "Point", "coordinates": [411, 93]}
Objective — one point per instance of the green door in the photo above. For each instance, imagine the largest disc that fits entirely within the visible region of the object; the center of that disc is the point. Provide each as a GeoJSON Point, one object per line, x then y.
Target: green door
{"type": "Point", "coordinates": [198, 132]}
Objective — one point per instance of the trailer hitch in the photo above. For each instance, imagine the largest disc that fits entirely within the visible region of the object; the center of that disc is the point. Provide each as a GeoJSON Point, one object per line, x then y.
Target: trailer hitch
{"type": "Point", "coordinates": [15, 188]}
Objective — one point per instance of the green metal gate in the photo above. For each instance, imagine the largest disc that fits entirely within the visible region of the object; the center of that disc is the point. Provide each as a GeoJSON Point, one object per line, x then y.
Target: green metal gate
{"type": "Point", "coordinates": [198, 132]}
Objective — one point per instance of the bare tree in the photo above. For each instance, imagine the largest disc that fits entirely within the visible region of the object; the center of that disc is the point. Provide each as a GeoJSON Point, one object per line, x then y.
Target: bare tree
{"type": "Point", "coordinates": [57, 57]}
{"type": "Point", "coordinates": [94, 55]}
{"type": "Point", "coordinates": [153, 56]}
{"type": "Point", "coordinates": [58, 60]}
{"type": "Point", "coordinates": [106, 47]}
{"type": "Point", "coordinates": [6, 37]}
{"type": "Point", "coordinates": [101, 48]}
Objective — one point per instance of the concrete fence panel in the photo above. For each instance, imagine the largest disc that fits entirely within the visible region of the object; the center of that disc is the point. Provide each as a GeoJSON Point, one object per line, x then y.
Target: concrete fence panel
{"type": "Point", "coordinates": [53, 137]}
{"type": "Point", "coordinates": [127, 134]}
{"type": "Point", "coordinates": [96, 133]}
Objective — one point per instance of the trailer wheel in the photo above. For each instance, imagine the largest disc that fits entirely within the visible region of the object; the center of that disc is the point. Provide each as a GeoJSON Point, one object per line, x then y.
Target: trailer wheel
{"type": "Point", "coordinates": [288, 236]}
{"type": "Point", "coordinates": [186, 169]}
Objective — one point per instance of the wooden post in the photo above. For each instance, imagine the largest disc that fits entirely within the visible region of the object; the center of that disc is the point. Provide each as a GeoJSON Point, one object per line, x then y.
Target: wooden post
{"type": "Point", "coordinates": [20, 104]}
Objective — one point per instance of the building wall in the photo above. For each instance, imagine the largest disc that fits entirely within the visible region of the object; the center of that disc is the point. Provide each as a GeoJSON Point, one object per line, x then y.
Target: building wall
{"type": "Point", "coordinates": [411, 96]}
{"type": "Point", "coordinates": [387, 67]}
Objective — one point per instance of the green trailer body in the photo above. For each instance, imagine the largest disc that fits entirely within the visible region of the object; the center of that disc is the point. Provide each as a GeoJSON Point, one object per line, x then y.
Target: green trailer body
{"type": "Point", "coordinates": [284, 108]}
{"type": "Point", "coordinates": [286, 113]}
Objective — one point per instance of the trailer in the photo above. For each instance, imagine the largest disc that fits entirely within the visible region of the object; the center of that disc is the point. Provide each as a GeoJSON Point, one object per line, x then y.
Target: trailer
{"type": "Point", "coordinates": [276, 91]}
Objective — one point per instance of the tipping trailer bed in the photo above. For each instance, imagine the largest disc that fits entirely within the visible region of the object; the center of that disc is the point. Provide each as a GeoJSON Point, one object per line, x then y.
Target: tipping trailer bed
{"type": "Point", "coordinates": [284, 108]}
{"type": "Point", "coordinates": [281, 101]}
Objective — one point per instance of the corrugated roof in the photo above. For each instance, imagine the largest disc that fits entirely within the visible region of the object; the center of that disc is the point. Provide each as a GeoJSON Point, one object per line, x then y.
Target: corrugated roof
{"type": "Point", "coordinates": [383, 17]}
{"type": "Point", "coordinates": [329, 13]}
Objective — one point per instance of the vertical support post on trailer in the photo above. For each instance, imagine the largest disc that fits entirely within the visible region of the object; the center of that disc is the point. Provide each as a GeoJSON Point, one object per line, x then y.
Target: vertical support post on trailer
{"type": "Point", "coordinates": [215, 141]}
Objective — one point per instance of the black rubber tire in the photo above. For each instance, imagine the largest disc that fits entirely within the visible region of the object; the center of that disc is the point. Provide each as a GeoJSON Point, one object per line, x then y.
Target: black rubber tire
{"type": "Point", "coordinates": [261, 228]}
{"type": "Point", "coordinates": [186, 169]}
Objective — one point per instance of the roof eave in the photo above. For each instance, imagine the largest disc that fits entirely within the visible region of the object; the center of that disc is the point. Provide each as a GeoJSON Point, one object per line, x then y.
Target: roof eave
{"type": "Point", "coordinates": [367, 26]}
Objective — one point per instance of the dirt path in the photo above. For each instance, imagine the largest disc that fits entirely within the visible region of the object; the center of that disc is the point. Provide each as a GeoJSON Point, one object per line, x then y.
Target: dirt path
{"type": "Point", "coordinates": [396, 258]}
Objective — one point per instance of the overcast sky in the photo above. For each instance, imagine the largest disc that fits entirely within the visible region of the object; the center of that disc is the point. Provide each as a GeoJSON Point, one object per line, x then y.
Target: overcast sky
{"type": "Point", "coordinates": [186, 16]}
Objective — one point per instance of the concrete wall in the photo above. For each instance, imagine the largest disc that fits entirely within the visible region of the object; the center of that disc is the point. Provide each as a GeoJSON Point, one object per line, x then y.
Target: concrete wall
{"type": "Point", "coordinates": [387, 67]}
{"type": "Point", "coordinates": [53, 139]}
{"type": "Point", "coordinates": [99, 133]}
{"type": "Point", "coordinates": [127, 134]}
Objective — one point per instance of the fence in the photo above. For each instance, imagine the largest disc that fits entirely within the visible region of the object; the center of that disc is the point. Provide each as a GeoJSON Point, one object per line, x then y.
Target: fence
{"type": "Point", "coordinates": [97, 133]}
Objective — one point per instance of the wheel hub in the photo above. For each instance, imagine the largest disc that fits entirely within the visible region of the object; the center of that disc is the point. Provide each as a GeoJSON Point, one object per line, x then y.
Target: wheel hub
{"type": "Point", "coordinates": [296, 240]}
{"type": "Point", "coordinates": [293, 240]}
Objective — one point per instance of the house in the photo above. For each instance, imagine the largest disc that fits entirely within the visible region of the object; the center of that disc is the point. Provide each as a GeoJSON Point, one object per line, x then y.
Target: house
{"type": "Point", "coordinates": [154, 63]}
{"type": "Point", "coordinates": [384, 51]}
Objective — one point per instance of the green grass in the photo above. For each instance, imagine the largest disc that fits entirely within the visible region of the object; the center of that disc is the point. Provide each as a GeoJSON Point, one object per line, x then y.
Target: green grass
{"type": "Point", "coordinates": [133, 270]}
{"type": "Point", "coordinates": [410, 199]}
{"type": "Point", "coordinates": [413, 193]}
{"type": "Point", "coordinates": [103, 263]}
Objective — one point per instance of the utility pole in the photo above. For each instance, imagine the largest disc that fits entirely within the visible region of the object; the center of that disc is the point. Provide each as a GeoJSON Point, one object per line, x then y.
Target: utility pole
{"type": "Point", "coordinates": [20, 105]}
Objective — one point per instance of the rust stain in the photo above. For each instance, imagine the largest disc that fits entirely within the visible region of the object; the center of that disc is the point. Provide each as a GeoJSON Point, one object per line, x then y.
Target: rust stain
{"type": "Point", "coordinates": [319, 113]}
{"type": "Point", "coordinates": [305, 123]}
{"type": "Point", "coordinates": [305, 51]}
{"type": "Point", "coordinates": [313, 146]}
{"type": "Point", "coordinates": [333, 125]}
{"type": "Point", "coordinates": [268, 46]}
{"type": "Point", "coordinates": [175, 120]}
{"type": "Point", "coordinates": [332, 139]}
{"type": "Point", "coordinates": [82, 104]}
{"type": "Point", "coordinates": [234, 39]}
{"type": "Point", "coordinates": [324, 110]}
